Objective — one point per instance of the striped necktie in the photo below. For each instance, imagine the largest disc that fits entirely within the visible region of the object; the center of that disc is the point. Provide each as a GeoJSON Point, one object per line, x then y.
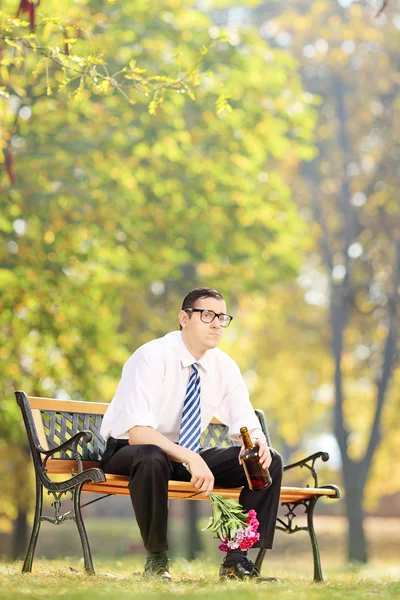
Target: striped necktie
{"type": "Point", "coordinates": [189, 435]}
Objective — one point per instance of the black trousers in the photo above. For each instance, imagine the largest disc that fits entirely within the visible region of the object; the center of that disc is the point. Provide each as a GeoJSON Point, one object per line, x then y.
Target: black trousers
{"type": "Point", "coordinates": [149, 470]}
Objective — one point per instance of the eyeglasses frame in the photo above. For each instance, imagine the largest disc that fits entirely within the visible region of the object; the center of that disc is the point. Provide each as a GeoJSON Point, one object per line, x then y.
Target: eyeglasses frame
{"type": "Point", "coordinates": [201, 310]}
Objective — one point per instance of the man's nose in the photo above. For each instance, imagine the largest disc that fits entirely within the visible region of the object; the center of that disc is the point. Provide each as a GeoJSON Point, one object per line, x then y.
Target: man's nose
{"type": "Point", "coordinates": [216, 323]}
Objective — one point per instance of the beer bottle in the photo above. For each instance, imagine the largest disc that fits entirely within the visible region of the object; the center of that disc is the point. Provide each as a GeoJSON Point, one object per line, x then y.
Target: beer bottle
{"type": "Point", "coordinates": [258, 478]}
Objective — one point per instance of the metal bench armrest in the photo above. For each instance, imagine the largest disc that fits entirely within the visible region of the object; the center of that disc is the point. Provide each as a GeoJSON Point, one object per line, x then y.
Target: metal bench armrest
{"type": "Point", "coordinates": [308, 463]}
{"type": "Point", "coordinates": [71, 444]}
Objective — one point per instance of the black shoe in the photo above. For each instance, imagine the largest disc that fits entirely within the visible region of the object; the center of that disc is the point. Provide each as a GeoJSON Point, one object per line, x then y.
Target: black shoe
{"type": "Point", "coordinates": [244, 569]}
{"type": "Point", "coordinates": [157, 567]}
{"type": "Point", "coordinates": [240, 570]}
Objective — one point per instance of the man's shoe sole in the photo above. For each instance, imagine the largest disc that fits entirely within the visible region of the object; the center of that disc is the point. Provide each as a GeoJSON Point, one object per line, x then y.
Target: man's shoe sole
{"type": "Point", "coordinates": [229, 573]}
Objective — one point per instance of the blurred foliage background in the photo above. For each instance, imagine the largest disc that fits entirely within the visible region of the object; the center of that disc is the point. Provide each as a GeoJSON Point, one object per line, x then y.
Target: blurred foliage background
{"type": "Point", "coordinates": [151, 147]}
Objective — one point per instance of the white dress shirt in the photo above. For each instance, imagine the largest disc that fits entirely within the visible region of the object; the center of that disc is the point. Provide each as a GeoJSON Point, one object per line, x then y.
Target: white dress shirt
{"type": "Point", "coordinates": [153, 387]}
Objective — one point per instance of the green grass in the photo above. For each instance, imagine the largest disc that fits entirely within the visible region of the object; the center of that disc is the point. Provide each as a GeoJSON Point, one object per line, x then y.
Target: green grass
{"type": "Point", "coordinates": [120, 580]}
{"type": "Point", "coordinates": [118, 560]}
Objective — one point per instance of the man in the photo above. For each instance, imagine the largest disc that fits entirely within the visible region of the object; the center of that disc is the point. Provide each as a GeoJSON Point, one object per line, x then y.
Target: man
{"type": "Point", "coordinates": [169, 391]}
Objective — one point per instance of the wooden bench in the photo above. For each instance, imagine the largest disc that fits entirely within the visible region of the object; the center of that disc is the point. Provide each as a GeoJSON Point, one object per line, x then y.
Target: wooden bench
{"type": "Point", "coordinates": [66, 446]}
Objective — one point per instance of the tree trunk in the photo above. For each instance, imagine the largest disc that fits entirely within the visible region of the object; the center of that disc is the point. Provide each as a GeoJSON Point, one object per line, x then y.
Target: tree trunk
{"type": "Point", "coordinates": [194, 545]}
{"type": "Point", "coordinates": [23, 495]}
{"type": "Point", "coordinates": [20, 534]}
{"type": "Point", "coordinates": [354, 485]}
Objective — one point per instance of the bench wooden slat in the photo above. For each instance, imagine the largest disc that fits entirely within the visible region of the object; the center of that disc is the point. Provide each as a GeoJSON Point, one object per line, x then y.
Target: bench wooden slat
{"type": "Point", "coordinates": [75, 406]}
{"type": "Point", "coordinates": [61, 466]}
{"type": "Point", "coordinates": [93, 408]}
{"type": "Point", "coordinates": [116, 484]}
{"type": "Point", "coordinates": [37, 417]}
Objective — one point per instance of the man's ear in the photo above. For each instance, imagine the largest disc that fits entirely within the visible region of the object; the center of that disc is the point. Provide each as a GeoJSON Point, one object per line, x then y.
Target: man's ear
{"type": "Point", "coordinates": [183, 318]}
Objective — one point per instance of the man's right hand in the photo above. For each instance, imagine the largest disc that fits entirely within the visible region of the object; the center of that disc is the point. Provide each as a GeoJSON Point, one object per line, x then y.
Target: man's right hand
{"type": "Point", "coordinates": [202, 478]}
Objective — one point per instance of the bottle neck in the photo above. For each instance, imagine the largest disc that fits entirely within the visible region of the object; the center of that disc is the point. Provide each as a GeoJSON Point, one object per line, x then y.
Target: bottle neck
{"type": "Point", "coordinates": [248, 444]}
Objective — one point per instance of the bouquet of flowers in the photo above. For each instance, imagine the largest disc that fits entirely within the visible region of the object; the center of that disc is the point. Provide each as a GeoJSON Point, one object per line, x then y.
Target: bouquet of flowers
{"type": "Point", "coordinates": [229, 523]}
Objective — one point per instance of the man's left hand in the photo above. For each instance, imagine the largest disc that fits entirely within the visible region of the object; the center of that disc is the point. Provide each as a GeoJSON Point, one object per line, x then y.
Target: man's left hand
{"type": "Point", "coordinates": [264, 454]}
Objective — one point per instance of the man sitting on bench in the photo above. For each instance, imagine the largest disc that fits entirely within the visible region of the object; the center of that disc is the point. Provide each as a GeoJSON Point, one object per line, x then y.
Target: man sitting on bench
{"type": "Point", "coordinates": [169, 391]}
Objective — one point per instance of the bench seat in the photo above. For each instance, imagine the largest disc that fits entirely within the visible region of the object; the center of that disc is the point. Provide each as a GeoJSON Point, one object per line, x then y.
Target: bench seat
{"type": "Point", "coordinates": [117, 484]}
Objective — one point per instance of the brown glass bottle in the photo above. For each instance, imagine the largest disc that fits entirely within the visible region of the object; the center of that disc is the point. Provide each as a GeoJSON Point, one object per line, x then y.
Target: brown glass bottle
{"type": "Point", "coordinates": [258, 478]}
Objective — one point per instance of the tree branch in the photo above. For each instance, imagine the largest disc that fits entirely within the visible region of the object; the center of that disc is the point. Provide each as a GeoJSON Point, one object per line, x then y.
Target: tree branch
{"type": "Point", "coordinates": [382, 8]}
{"type": "Point", "coordinates": [150, 84]}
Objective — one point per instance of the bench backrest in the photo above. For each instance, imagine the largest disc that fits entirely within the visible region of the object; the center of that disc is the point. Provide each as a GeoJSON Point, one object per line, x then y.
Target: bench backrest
{"type": "Point", "coordinates": [50, 422]}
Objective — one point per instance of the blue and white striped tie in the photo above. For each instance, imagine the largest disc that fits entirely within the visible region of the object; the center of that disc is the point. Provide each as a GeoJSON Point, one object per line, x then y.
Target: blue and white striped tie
{"type": "Point", "coordinates": [189, 435]}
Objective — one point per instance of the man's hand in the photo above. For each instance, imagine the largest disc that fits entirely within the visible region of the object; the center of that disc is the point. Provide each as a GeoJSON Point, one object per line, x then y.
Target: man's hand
{"type": "Point", "coordinates": [202, 478]}
{"type": "Point", "coordinates": [264, 454]}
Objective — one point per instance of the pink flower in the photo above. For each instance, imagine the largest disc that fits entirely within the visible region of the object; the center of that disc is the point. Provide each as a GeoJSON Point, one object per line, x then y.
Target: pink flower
{"type": "Point", "coordinates": [252, 521]}
{"type": "Point", "coordinates": [223, 547]}
{"type": "Point", "coordinates": [249, 532]}
{"type": "Point", "coordinates": [245, 537]}
{"type": "Point", "coordinates": [246, 544]}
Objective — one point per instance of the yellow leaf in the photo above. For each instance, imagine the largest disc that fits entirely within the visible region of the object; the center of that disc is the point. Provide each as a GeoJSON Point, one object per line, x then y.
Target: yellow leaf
{"type": "Point", "coordinates": [4, 73]}
{"type": "Point", "coordinates": [49, 237]}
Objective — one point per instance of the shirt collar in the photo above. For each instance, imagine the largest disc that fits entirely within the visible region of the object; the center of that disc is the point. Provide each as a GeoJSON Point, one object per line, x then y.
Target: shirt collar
{"type": "Point", "coordinates": [187, 359]}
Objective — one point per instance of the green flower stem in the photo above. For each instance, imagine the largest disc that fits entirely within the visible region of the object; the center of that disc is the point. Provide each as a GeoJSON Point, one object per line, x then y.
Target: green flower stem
{"type": "Point", "coordinates": [227, 517]}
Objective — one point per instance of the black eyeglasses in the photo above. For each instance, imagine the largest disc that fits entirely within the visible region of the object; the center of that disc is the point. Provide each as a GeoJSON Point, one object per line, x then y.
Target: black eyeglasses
{"type": "Point", "coordinates": [208, 316]}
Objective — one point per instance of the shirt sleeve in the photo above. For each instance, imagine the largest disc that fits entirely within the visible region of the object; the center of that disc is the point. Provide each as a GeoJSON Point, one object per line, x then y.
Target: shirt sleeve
{"type": "Point", "coordinates": [137, 394]}
{"type": "Point", "coordinates": [236, 410]}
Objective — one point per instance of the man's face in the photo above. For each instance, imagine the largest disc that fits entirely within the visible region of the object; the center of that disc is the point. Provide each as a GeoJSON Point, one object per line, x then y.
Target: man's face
{"type": "Point", "coordinates": [203, 335]}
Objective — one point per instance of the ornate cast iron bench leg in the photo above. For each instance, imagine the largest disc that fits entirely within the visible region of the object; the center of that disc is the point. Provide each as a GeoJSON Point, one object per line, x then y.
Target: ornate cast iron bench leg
{"type": "Point", "coordinates": [318, 577]}
{"type": "Point", "coordinates": [27, 567]}
{"type": "Point", "coordinates": [288, 527]}
{"type": "Point", "coordinates": [72, 515]}
{"type": "Point", "coordinates": [87, 555]}
{"type": "Point", "coordinates": [260, 558]}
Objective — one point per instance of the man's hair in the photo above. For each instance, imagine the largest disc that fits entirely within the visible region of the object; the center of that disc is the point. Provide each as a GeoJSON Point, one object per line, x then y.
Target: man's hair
{"type": "Point", "coordinates": [191, 298]}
